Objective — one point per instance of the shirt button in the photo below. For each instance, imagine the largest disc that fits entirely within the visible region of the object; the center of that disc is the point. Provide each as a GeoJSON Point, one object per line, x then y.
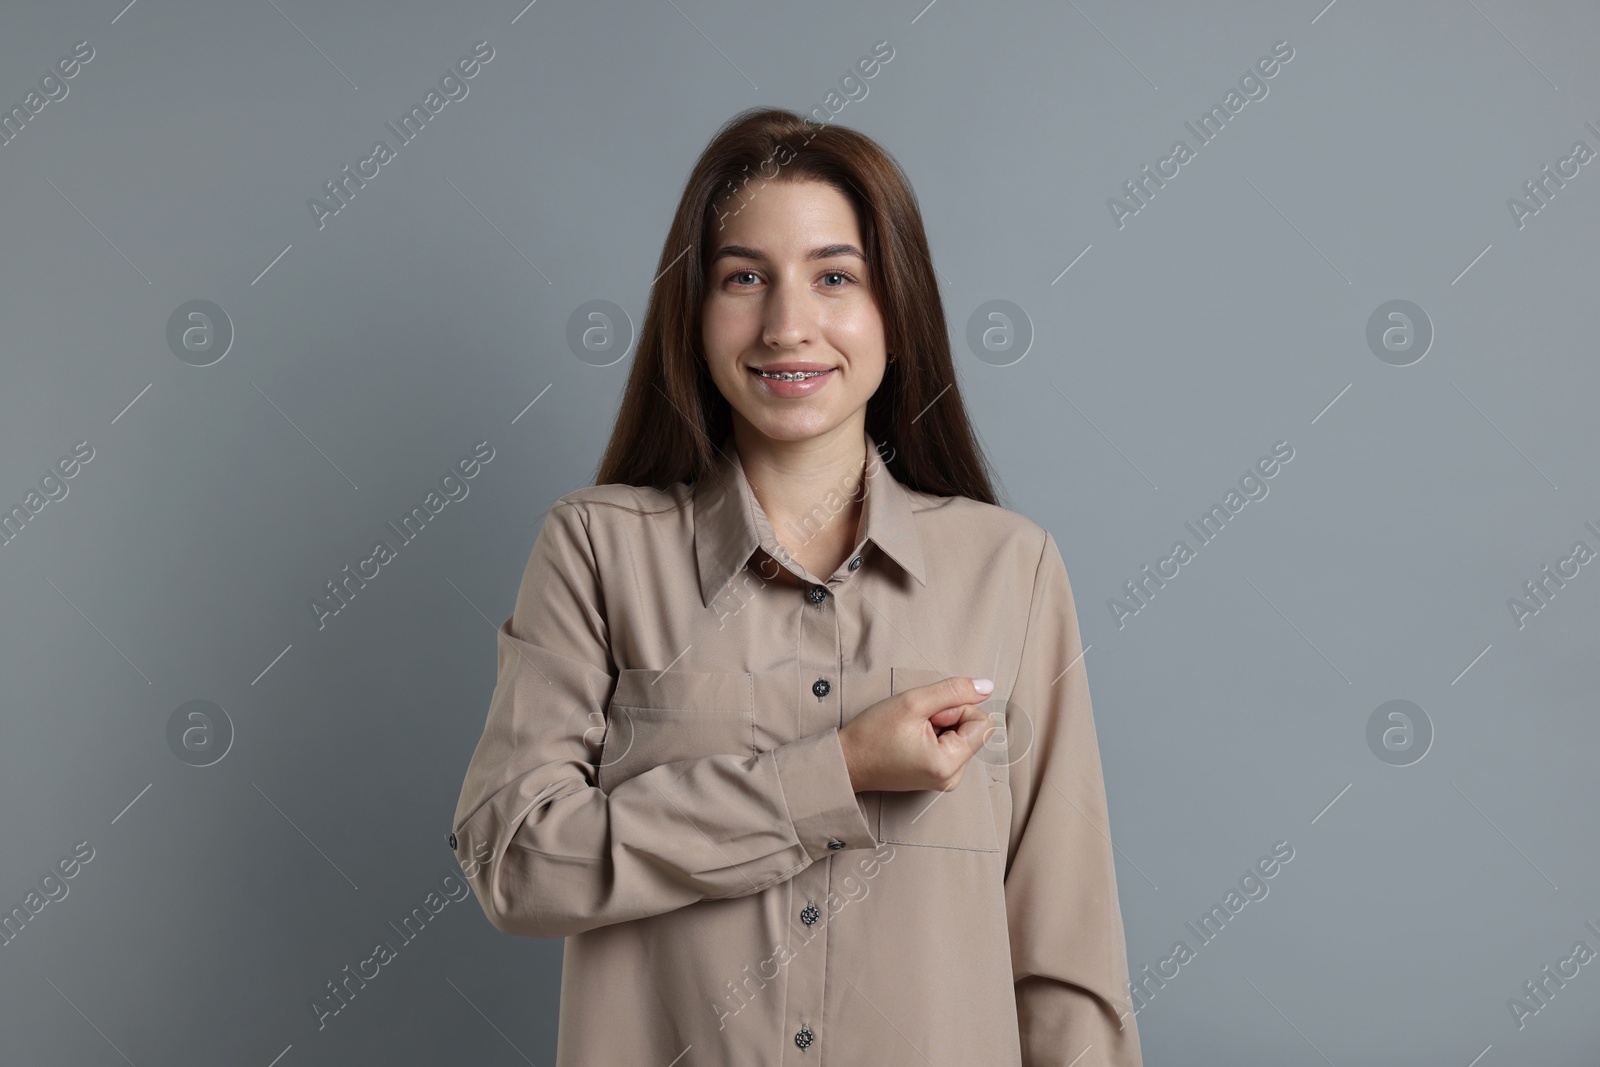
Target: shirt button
{"type": "Point", "coordinates": [836, 843]}
{"type": "Point", "coordinates": [804, 1037]}
{"type": "Point", "coordinates": [810, 915]}
{"type": "Point", "coordinates": [817, 594]}
{"type": "Point", "coordinates": [820, 687]}
{"type": "Point", "coordinates": [452, 842]}
{"type": "Point", "coordinates": [855, 563]}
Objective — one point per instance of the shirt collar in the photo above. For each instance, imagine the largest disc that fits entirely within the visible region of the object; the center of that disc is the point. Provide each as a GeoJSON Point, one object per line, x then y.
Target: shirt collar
{"type": "Point", "coordinates": [729, 523]}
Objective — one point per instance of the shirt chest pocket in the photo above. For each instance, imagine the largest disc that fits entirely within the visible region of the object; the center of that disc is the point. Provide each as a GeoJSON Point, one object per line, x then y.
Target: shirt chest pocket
{"type": "Point", "coordinates": [657, 717]}
{"type": "Point", "coordinates": [964, 817]}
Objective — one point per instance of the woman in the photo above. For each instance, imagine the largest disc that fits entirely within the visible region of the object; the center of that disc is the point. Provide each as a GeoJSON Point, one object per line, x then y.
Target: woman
{"type": "Point", "coordinates": [738, 753]}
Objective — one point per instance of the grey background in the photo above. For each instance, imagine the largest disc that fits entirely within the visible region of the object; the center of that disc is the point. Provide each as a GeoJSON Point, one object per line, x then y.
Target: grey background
{"type": "Point", "coordinates": [1230, 313]}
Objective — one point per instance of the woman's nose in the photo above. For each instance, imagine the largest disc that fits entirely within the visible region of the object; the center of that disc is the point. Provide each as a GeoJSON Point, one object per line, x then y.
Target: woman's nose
{"type": "Point", "coordinates": [788, 318]}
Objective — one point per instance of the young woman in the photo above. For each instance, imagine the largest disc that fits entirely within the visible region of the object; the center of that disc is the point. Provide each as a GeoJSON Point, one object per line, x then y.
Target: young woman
{"type": "Point", "coordinates": [791, 738]}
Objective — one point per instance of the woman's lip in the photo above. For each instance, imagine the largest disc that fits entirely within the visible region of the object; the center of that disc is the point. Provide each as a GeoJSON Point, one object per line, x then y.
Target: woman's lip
{"type": "Point", "coordinates": [792, 367]}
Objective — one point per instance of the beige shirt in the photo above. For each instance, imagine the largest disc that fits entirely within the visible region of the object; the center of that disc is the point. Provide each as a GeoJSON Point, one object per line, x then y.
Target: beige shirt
{"type": "Point", "coordinates": [660, 781]}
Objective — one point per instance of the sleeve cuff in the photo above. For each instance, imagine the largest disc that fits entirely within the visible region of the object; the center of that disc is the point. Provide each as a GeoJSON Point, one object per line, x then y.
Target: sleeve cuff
{"type": "Point", "coordinates": [822, 805]}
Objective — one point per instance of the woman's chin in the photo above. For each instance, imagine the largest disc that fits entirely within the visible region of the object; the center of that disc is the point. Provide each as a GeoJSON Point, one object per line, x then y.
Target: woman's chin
{"type": "Point", "coordinates": [790, 427]}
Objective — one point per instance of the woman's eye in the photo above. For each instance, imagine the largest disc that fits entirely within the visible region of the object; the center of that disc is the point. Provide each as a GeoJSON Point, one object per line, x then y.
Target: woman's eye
{"type": "Point", "coordinates": [750, 277]}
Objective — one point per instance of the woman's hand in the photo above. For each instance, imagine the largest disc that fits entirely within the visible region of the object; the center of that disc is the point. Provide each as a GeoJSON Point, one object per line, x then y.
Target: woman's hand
{"type": "Point", "coordinates": [896, 744]}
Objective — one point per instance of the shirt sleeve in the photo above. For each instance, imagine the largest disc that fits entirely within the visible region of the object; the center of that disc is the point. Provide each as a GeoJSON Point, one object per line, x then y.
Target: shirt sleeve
{"type": "Point", "coordinates": [547, 852]}
{"type": "Point", "coordinates": [1069, 957]}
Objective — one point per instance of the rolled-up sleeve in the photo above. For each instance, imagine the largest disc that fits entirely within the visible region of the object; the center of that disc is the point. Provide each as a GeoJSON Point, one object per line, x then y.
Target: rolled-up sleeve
{"type": "Point", "coordinates": [547, 852]}
{"type": "Point", "coordinates": [1069, 956]}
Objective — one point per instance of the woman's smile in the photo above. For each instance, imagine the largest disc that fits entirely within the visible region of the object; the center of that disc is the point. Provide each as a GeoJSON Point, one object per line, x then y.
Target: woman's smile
{"type": "Point", "coordinates": [793, 379]}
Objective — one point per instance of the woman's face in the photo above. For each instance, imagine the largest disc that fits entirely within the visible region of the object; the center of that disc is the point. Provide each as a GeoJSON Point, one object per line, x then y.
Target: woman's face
{"type": "Point", "coordinates": [787, 289]}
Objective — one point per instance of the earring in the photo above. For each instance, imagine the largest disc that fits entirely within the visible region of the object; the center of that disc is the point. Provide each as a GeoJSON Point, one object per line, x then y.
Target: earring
{"type": "Point", "coordinates": [891, 357]}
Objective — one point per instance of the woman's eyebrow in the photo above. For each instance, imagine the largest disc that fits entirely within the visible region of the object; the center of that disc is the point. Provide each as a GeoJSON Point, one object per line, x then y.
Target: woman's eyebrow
{"type": "Point", "coordinates": [825, 252]}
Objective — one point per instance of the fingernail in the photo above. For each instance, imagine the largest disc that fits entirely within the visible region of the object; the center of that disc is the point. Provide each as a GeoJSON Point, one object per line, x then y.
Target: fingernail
{"type": "Point", "coordinates": [983, 685]}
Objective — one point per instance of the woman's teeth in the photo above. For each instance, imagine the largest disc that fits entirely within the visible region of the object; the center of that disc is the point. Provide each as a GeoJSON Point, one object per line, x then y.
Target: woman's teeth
{"type": "Point", "coordinates": [791, 376]}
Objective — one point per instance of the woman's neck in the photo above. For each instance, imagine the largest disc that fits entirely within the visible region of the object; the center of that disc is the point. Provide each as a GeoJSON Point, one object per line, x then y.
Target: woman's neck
{"type": "Point", "coordinates": [810, 491]}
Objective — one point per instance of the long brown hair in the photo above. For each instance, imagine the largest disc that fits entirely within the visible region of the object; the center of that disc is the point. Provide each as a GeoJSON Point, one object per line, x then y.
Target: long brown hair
{"type": "Point", "coordinates": [672, 417]}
